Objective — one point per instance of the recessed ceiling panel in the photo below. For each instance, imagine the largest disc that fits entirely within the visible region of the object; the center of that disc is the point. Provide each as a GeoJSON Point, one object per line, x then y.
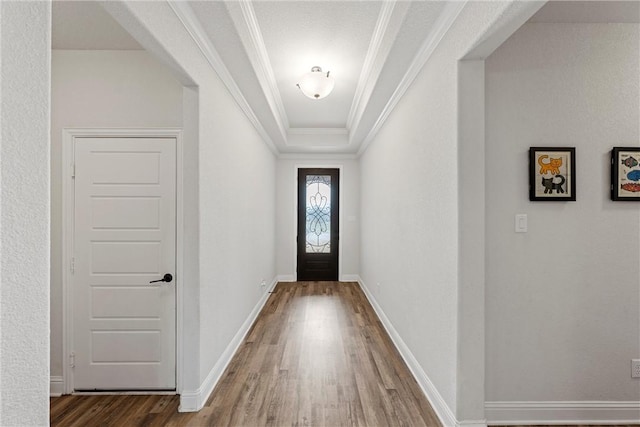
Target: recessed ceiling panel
{"type": "Point", "coordinates": [302, 34]}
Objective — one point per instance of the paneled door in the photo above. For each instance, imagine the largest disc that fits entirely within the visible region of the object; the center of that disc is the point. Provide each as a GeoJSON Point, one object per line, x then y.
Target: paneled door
{"type": "Point", "coordinates": [318, 224]}
{"type": "Point", "coordinates": [124, 300]}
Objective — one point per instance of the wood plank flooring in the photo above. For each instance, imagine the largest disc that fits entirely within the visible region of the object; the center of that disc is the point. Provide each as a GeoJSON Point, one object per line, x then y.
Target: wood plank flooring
{"type": "Point", "coordinates": [316, 356]}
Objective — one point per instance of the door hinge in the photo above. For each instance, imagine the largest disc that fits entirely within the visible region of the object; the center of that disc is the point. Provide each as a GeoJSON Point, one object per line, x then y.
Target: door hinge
{"type": "Point", "coordinates": [73, 265]}
{"type": "Point", "coordinates": [72, 360]}
{"type": "Point", "coordinates": [73, 171]}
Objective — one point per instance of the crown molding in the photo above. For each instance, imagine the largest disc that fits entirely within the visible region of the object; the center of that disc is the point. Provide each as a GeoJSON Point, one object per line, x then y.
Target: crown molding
{"type": "Point", "coordinates": [442, 26]}
{"type": "Point", "coordinates": [372, 66]}
{"type": "Point", "coordinates": [318, 131]}
{"type": "Point", "coordinates": [317, 156]}
{"type": "Point", "coordinates": [259, 57]}
{"type": "Point", "coordinates": [190, 22]}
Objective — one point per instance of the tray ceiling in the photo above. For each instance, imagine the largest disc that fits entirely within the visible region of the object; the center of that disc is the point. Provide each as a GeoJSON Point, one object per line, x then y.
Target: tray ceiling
{"type": "Point", "coordinates": [373, 49]}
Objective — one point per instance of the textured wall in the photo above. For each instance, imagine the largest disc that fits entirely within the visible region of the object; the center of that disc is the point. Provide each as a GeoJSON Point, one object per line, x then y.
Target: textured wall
{"type": "Point", "coordinates": [237, 190]}
{"type": "Point", "coordinates": [409, 222]}
{"type": "Point", "coordinates": [563, 300]}
{"type": "Point", "coordinates": [286, 216]}
{"type": "Point", "coordinates": [409, 209]}
{"type": "Point", "coordinates": [24, 221]}
{"type": "Point", "coordinates": [237, 227]}
{"type": "Point", "coordinates": [100, 89]}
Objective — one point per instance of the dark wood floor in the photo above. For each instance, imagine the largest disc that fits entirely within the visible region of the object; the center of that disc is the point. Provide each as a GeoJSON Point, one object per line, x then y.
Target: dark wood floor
{"type": "Point", "coordinates": [316, 356]}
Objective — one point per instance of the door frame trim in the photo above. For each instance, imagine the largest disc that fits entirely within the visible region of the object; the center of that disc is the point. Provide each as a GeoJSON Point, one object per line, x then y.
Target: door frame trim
{"type": "Point", "coordinates": [296, 168]}
{"type": "Point", "coordinates": [69, 136]}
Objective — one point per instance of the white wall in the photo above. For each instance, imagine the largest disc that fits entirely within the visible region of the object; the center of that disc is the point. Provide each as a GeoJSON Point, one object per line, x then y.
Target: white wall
{"type": "Point", "coordinates": [237, 228]}
{"type": "Point", "coordinates": [563, 300]}
{"type": "Point", "coordinates": [410, 221]}
{"type": "Point", "coordinates": [25, 40]}
{"type": "Point", "coordinates": [286, 215]}
{"type": "Point", "coordinates": [100, 89]}
{"type": "Point", "coordinates": [237, 192]}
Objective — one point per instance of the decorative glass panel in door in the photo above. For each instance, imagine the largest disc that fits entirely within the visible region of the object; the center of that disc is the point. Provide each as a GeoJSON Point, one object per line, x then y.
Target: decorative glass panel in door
{"type": "Point", "coordinates": [318, 210]}
{"type": "Point", "coordinates": [318, 224]}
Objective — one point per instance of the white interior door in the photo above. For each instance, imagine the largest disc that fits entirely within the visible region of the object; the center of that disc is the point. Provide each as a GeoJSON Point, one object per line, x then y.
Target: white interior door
{"type": "Point", "coordinates": [124, 237]}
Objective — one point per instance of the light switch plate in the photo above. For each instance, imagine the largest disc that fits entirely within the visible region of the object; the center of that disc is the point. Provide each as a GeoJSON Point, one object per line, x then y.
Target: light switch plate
{"type": "Point", "coordinates": [521, 223]}
{"type": "Point", "coordinates": [635, 368]}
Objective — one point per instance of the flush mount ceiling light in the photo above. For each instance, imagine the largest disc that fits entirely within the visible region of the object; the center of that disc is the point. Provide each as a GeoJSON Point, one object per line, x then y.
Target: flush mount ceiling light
{"type": "Point", "coordinates": [316, 84]}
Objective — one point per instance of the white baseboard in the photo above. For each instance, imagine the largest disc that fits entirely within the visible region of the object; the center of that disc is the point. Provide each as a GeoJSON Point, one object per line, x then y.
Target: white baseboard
{"type": "Point", "coordinates": [193, 401]}
{"type": "Point", "coordinates": [557, 412]}
{"type": "Point", "coordinates": [440, 407]}
{"type": "Point", "coordinates": [343, 278]}
{"type": "Point", "coordinates": [511, 413]}
{"type": "Point", "coordinates": [56, 386]}
{"type": "Point", "coordinates": [476, 423]}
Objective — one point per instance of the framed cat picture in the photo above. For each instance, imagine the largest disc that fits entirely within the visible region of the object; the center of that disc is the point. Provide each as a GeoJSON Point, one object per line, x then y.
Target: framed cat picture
{"type": "Point", "coordinates": [552, 174]}
{"type": "Point", "coordinates": [625, 174]}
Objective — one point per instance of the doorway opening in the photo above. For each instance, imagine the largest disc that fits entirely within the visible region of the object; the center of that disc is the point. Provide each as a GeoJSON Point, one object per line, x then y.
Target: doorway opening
{"type": "Point", "coordinates": [318, 224]}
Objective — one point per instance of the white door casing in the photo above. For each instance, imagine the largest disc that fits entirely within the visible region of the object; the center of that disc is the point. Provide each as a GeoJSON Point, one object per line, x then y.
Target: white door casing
{"type": "Point", "coordinates": [124, 236]}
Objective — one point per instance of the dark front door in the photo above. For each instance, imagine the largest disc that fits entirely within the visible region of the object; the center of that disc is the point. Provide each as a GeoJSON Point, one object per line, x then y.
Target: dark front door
{"type": "Point", "coordinates": [318, 196]}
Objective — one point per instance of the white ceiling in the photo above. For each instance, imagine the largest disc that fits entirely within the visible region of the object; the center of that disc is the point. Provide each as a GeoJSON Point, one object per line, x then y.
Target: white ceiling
{"type": "Point", "coordinates": [589, 12]}
{"type": "Point", "coordinates": [373, 49]}
{"type": "Point", "coordinates": [325, 35]}
{"type": "Point", "coordinates": [85, 25]}
{"type": "Point", "coordinates": [368, 46]}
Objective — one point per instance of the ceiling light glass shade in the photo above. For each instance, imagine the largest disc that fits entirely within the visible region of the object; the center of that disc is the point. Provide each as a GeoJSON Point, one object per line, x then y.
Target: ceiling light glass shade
{"type": "Point", "coordinates": [316, 84]}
